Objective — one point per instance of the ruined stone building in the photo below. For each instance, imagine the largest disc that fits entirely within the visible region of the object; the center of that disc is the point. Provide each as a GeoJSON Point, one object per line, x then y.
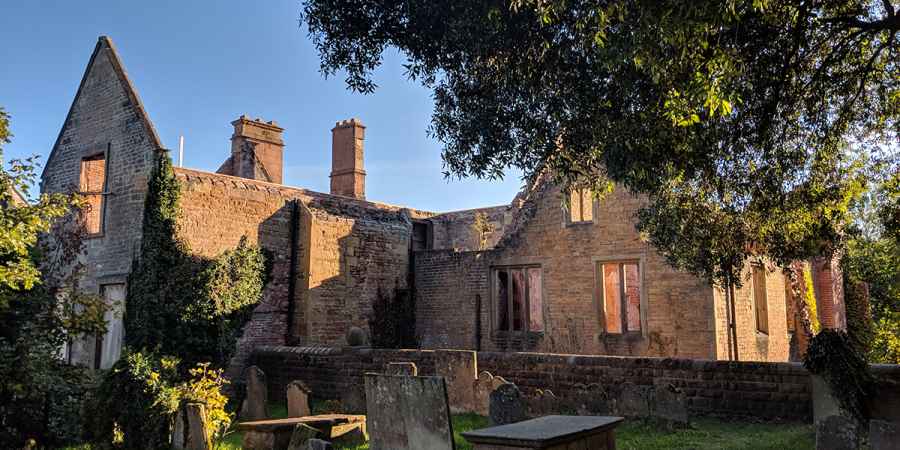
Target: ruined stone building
{"type": "Point", "coordinates": [535, 277]}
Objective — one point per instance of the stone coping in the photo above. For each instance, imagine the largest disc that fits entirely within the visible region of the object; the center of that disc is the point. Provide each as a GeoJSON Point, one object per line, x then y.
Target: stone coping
{"type": "Point", "coordinates": [543, 431]}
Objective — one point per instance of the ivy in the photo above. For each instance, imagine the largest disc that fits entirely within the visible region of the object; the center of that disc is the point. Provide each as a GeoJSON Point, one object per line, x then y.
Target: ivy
{"type": "Point", "coordinates": [179, 304]}
{"type": "Point", "coordinates": [833, 356]}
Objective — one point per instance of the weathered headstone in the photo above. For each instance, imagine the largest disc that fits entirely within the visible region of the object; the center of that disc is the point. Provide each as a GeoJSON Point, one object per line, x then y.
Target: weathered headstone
{"type": "Point", "coordinates": [460, 369]}
{"type": "Point", "coordinates": [356, 337]}
{"type": "Point", "coordinates": [353, 399]}
{"type": "Point", "coordinates": [543, 402]}
{"type": "Point", "coordinates": [254, 407]}
{"type": "Point", "coordinates": [298, 399]}
{"type": "Point", "coordinates": [837, 433]}
{"type": "Point", "coordinates": [484, 385]}
{"type": "Point", "coordinates": [301, 436]}
{"type": "Point", "coordinates": [669, 404]}
{"type": "Point", "coordinates": [506, 405]}
{"type": "Point", "coordinates": [593, 400]}
{"type": "Point", "coordinates": [634, 401]}
{"type": "Point", "coordinates": [179, 430]}
{"type": "Point", "coordinates": [318, 444]}
{"type": "Point", "coordinates": [402, 368]}
{"type": "Point", "coordinates": [884, 435]}
{"type": "Point", "coordinates": [198, 436]}
{"type": "Point", "coordinates": [408, 413]}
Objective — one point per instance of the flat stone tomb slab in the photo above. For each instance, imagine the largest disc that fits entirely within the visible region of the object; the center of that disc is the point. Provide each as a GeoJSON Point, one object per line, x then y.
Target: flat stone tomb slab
{"type": "Point", "coordinates": [276, 433]}
{"type": "Point", "coordinates": [549, 432]}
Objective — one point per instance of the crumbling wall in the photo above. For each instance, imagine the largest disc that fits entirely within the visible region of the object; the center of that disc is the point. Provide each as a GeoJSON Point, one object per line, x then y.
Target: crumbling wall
{"type": "Point", "coordinates": [678, 307]}
{"type": "Point", "coordinates": [454, 230]}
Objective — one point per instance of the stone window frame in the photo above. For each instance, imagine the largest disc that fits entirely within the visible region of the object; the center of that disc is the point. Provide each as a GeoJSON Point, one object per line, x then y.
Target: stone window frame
{"type": "Point", "coordinates": [599, 298]}
{"type": "Point", "coordinates": [494, 312]}
{"type": "Point", "coordinates": [761, 327]}
{"type": "Point", "coordinates": [567, 213]}
{"type": "Point", "coordinates": [103, 152]}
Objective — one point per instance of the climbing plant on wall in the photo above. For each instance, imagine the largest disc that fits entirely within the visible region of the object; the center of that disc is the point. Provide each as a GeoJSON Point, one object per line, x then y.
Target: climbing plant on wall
{"type": "Point", "coordinates": [179, 304]}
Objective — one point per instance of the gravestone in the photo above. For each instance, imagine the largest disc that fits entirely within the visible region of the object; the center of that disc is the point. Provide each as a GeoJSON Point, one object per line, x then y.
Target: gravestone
{"type": "Point", "coordinates": [197, 436]}
{"type": "Point", "coordinates": [254, 407]}
{"type": "Point", "coordinates": [484, 385]}
{"type": "Point", "coordinates": [634, 401]}
{"type": "Point", "coordinates": [402, 368]}
{"type": "Point", "coordinates": [408, 413]}
{"type": "Point", "coordinates": [506, 405]}
{"type": "Point", "coordinates": [593, 400]}
{"type": "Point", "coordinates": [298, 399]}
{"type": "Point", "coordinates": [301, 435]}
{"type": "Point", "coordinates": [884, 435]}
{"type": "Point", "coordinates": [543, 402]}
{"type": "Point", "coordinates": [670, 404]}
{"type": "Point", "coordinates": [837, 433]}
{"type": "Point", "coordinates": [353, 399]}
{"type": "Point", "coordinates": [318, 444]}
{"type": "Point", "coordinates": [460, 369]}
{"type": "Point", "coordinates": [178, 430]}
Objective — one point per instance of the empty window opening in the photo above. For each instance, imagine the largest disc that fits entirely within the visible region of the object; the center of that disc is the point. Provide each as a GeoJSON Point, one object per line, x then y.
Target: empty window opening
{"type": "Point", "coordinates": [518, 299]}
{"type": "Point", "coordinates": [621, 296]}
{"type": "Point", "coordinates": [92, 184]}
{"type": "Point", "coordinates": [581, 206]}
{"type": "Point", "coordinates": [760, 299]}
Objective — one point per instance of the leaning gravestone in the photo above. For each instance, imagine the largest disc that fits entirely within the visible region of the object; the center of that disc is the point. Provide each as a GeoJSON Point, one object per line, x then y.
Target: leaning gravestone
{"type": "Point", "coordinates": [298, 399]}
{"type": "Point", "coordinates": [484, 385]}
{"type": "Point", "coordinates": [408, 413]}
{"type": "Point", "coordinates": [402, 368]}
{"type": "Point", "coordinates": [254, 407]}
{"type": "Point", "coordinates": [837, 433]}
{"type": "Point", "coordinates": [506, 405]}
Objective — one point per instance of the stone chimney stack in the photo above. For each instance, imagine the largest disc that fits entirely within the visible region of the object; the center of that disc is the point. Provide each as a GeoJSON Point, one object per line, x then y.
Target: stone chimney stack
{"type": "Point", "coordinates": [347, 175]}
{"type": "Point", "coordinates": [257, 150]}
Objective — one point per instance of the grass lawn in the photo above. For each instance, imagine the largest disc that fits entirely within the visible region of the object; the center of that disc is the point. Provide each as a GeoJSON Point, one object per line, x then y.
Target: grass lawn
{"type": "Point", "coordinates": [704, 434]}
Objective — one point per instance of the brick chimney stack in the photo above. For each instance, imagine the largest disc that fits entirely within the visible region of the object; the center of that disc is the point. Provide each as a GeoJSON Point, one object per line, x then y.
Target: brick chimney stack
{"type": "Point", "coordinates": [347, 175]}
{"type": "Point", "coordinates": [257, 150]}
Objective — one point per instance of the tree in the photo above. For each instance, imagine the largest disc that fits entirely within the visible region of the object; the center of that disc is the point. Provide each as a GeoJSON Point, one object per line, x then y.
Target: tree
{"type": "Point", "coordinates": [733, 117]}
{"type": "Point", "coordinates": [41, 308]}
{"type": "Point", "coordinates": [22, 223]}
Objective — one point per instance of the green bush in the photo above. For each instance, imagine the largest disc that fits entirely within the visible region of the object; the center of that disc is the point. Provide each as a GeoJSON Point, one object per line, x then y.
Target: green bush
{"type": "Point", "coordinates": [140, 396]}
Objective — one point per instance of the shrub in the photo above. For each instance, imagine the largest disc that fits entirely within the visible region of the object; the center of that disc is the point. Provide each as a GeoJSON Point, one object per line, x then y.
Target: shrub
{"type": "Point", "coordinates": [140, 397]}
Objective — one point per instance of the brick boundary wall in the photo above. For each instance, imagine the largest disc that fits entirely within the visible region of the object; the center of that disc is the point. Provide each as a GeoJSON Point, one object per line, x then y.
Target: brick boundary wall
{"type": "Point", "coordinates": [759, 390]}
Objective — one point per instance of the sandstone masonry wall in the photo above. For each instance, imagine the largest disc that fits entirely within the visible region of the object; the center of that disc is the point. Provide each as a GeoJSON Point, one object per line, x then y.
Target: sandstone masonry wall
{"type": "Point", "coordinates": [767, 391]}
{"type": "Point", "coordinates": [453, 230]}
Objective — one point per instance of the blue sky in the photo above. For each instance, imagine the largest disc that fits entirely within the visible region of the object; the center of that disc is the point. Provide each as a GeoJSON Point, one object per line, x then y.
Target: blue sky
{"type": "Point", "coordinates": [199, 65]}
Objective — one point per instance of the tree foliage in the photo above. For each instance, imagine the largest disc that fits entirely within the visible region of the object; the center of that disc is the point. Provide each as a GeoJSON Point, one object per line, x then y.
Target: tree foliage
{"type": "Point", "coordinates": [732, 117]}
{"type": "Point", "coordinates": [22, 223]}
{"type": "Point", "coordinates": [41, 308]}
